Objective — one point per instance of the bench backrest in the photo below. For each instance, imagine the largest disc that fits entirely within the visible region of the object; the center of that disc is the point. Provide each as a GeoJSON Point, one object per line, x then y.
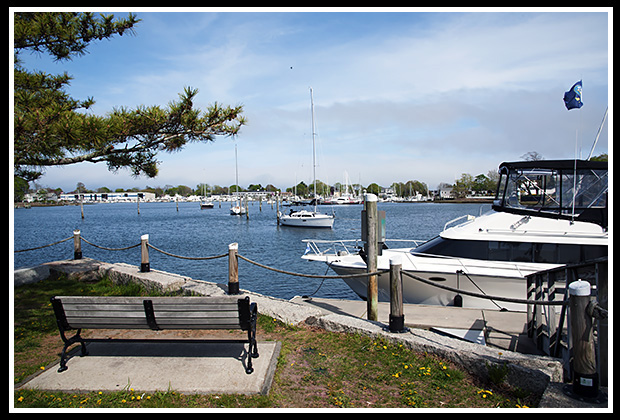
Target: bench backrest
{"type": "Point", "coordinates": [178, 312]}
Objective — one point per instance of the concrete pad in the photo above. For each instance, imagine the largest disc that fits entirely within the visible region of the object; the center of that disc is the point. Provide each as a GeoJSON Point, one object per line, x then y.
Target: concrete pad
{"type": "Point", "coordinates": [189, 368]}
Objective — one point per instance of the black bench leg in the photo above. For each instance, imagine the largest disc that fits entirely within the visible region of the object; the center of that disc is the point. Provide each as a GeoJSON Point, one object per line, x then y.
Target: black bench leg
{"type": "Point", "coordinates": [68, 343]}
{"type": "Point", "coordinates": [252, 347]}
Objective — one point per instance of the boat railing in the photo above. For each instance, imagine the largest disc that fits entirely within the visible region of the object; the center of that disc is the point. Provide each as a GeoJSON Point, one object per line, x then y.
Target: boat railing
{"type": "Point", "coordinates": [331, 247]}
{"type": "Point", "coordinates": [468, 216]}
{"type": "Point", "coordinates": [342, 247]}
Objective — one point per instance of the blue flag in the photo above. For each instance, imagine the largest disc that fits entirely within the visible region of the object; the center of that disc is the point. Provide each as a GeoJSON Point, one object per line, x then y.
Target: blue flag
{"type": "Point", "coordinates": [572, 98]}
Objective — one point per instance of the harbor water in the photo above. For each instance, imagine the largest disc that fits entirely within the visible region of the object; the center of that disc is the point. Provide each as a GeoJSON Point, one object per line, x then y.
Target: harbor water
{"type": "Point", "coordinates": [191, 232]}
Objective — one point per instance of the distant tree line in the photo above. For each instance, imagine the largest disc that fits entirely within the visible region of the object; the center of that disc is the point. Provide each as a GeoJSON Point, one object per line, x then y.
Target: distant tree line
{"type": "Point", "coordinates": [480, 184]}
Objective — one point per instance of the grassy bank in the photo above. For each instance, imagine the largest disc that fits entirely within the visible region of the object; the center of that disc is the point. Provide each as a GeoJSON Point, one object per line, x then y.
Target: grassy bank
{"type": "Point", "coordinates": [316, 368]}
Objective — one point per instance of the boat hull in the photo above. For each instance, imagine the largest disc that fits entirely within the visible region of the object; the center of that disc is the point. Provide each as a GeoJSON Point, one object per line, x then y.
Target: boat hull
{"type": "Point", "coordinates": [318, 223]}
{"type": "Point", "coordinates": [506, 280]}
{"type": "Point", "coordinates": [416, 292]}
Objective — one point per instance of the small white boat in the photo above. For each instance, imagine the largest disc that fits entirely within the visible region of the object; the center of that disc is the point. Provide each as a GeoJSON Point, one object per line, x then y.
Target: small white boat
{"type": "Point", "coordinates": [206, 204]}
{"type": "Point", "coordinates": [237, 210]}
{"type": "Point", "coordinates": [305, 218]}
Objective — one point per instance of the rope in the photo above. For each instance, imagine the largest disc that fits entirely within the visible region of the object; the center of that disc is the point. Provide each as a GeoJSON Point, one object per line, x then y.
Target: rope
{"type": "Point", "coordinates": [110, 249]}
{"type": "Point", "coordinates": [43, 246]}
{"type": "Point", "coordinates": [186, 258]}
{"type": "Point", "coordinates": [312, 276]}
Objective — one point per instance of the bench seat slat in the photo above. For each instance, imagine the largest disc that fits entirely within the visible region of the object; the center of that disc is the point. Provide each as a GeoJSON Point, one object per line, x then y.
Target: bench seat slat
{"type": "Point", "coordinates": [159, 314]}
{"type": "Point", "coordinates": [155, 299]}
{"type": "Point", "coordinates": [142, 324]}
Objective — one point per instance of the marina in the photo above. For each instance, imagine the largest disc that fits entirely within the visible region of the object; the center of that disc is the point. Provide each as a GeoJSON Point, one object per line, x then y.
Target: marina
{"type": "Point", "coordinates": [565, 213]}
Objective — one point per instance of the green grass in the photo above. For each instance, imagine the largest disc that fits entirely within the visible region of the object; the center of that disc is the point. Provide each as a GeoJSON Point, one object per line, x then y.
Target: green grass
{"type": "Point", "coordinates": [315, 368]}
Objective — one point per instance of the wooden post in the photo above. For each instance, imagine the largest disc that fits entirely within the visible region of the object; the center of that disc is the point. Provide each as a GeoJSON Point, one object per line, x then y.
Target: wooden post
{"type": "Point", "coordinates": [145, 265]}
{"type": "Point", "coordinates": [602, 289]}
{"type": "Point", "coordinates": [585, 377]}
{"type": "Point", "coordinates": [77, 245]}
{"type": "Point", "coordinates": [372, 296]}
{"type": "Point", "coordinates": [233, 269]}
{"type": "Point", "coordinates": [397, 316]}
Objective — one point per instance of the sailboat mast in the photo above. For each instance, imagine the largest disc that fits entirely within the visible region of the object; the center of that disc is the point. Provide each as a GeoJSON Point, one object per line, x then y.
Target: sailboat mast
{"type": "Point", "coordinates": [313, 147]}
{"type": "Point", "coordinates": [236, 174]}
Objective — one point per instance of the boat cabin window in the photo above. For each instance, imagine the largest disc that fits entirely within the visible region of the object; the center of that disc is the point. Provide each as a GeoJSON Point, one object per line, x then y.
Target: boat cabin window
{"type": "Point", "coordinates": [560, 189]}
{"type": "Point", "coordinates": [549, 253]}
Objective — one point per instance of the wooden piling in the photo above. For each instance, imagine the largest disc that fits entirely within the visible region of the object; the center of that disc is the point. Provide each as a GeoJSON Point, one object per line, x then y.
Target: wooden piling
{"type": "Point", "coordinates": [372, 297]}
{"type": "Point", "coordinates": [397, 314]}
{"type": "Point", "coordinates": [77, 245]}
{"type": "Point", "coordinates": [585, 376]}
{"type": "Point", "coordinates": [233, 269]}
{"type": "Point", "coordinates": [145, 265]}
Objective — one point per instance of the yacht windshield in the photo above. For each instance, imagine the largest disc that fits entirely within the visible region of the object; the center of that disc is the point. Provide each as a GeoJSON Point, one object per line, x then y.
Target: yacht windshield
{"type": "Point", "coordinates": [576, 190]}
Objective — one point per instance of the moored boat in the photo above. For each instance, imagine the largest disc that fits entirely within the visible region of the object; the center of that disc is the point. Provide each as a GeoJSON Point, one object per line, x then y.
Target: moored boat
{"type": "Point", "coordinates": [546, 214]}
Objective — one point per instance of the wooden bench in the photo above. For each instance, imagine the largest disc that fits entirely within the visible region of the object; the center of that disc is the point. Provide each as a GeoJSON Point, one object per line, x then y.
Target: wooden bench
{"type": "Point", "coordinates": [154, 313]}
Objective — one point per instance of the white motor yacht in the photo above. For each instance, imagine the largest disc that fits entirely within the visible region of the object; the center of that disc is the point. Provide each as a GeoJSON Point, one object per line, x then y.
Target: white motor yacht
{"type": "Point", "coordinates": [546, 214]}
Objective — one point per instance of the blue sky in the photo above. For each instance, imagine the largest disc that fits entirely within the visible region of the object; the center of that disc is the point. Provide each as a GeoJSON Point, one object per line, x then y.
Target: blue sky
{"type": "Point", "coordinates": [399, 94]}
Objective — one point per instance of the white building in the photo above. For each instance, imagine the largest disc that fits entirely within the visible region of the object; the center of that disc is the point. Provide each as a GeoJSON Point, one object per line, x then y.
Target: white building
{"type": "Point", "coordinates": [129, 196]}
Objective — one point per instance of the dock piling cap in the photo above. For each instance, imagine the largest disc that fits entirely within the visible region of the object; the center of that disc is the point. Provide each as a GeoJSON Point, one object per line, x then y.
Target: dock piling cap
{"type": "Point", "coordinates": [579, 288]}
{"type": "Point", "coordinates": [370, 197]}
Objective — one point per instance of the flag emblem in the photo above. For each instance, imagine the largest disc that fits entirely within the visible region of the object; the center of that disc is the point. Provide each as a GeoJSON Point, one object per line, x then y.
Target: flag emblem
{"type": "Point", "coordinates": [572, 98]}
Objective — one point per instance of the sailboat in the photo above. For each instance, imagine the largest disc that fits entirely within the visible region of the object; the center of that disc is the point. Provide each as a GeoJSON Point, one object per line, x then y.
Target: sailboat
{"type": "Point", "coordinates": [205, 204]}
{"type": "Point", "coordinates": [306, 218]}
{"type": "Point", "coordinates": [237, 209]}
